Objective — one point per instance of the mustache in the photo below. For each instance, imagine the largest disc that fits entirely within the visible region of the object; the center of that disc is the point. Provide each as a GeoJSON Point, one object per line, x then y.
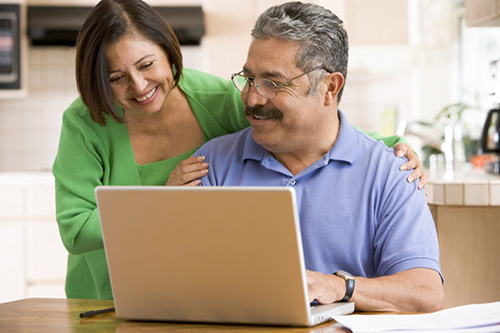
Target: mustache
{"type": "Point", "coordinates": [261, 112]}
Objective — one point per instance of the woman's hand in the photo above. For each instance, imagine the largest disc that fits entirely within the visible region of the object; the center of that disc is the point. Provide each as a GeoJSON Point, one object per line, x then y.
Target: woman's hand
{"type": "Point", "coordinates": [403, 149]}
{"type": "Point", "coordinates": [188, 172]}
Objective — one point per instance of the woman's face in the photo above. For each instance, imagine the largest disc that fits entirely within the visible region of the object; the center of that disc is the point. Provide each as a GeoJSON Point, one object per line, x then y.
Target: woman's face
{"type": "Point", "coordinates": [140, 75]}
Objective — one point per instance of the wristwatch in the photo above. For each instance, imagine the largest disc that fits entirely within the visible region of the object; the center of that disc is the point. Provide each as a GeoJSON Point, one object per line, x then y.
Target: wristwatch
{"type": "Point", "coordinates": [349, 284]}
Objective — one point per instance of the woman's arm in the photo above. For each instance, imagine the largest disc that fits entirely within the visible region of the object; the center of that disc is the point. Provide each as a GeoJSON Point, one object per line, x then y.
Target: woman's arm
{"type": "Point", "coordinates": [77, 170]}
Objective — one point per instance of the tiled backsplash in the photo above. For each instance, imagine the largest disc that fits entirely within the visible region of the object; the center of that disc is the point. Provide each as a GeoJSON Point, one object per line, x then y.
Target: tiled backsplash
{"type": "Point", "coordinates": [30, 127]}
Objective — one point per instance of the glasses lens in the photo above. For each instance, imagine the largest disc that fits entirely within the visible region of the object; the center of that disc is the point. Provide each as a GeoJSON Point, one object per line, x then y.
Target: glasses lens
{"type": "Point", "coordinates": [241, 83]}
{"type": "Point", "coordinates": [266, 87]}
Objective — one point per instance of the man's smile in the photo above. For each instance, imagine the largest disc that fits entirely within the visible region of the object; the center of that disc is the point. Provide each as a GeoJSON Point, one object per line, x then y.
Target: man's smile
{"type": "Point", "coordinates": [261, 113]}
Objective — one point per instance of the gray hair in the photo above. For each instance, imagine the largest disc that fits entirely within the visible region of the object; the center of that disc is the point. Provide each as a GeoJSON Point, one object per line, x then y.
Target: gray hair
{"type": "Point", "coordinates": [322, 37]}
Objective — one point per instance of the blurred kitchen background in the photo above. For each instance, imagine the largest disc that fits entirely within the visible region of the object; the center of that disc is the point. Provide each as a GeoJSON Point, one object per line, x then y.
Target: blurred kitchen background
{"type": "Point", "coordinates": [409, 59]}
{"type": "Point", "coordinates": [416, 67]}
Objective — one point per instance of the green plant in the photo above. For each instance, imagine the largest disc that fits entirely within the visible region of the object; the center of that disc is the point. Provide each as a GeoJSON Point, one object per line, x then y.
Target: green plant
{"type": "Point", "coordinates": [458, 114]}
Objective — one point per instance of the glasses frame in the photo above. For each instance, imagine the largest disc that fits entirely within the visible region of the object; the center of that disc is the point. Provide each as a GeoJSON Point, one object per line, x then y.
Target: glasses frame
{"type": "Point", "coordinates": [251, 81]}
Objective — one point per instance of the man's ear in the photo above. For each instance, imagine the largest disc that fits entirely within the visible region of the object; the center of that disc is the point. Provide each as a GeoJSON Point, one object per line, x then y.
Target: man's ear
{"type": "Point", "coordinates": [334, 82]}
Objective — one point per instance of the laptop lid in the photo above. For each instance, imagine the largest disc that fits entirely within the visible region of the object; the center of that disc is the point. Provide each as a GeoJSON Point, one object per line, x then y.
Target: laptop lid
{"type": "Point", "coordinates": [206, 254]}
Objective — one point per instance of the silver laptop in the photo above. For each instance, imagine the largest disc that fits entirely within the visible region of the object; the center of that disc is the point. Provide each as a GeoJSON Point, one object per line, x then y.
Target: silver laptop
{"type": "Point", "coordinates": [208, 254]}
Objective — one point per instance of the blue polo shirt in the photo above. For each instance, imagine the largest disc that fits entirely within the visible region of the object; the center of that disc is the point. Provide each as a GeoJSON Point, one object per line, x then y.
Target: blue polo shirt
{"type": "Point", "coordinates": [357, 211]}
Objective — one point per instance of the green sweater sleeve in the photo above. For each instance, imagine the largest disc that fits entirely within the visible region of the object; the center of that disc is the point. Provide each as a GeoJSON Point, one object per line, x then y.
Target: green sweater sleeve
{"type": "Point", "coordinates": [389, 141]}
{"type": "Point", "coordinates": [89, 155]}
{"type": "Point", "coordinates": [77, 169]}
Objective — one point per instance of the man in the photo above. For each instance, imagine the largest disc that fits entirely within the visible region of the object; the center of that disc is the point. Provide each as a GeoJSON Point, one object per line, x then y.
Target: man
{"type": "Point", "coordinates": [358, 214]}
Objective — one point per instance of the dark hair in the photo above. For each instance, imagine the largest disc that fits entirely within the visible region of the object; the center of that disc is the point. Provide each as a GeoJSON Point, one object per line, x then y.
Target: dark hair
{"type": "Point", "coordinates": [323, 40]}
{"type": "Point", "coordinates": [105, 24]}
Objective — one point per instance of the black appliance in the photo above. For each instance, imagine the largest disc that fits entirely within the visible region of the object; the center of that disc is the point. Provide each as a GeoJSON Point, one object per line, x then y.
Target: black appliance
{"type": "Point", "coordinates": [59, 25]}
{"type": "Point", "coordinates": [490, 139]}
{"type": "Point", "coordinates": [10, 57]}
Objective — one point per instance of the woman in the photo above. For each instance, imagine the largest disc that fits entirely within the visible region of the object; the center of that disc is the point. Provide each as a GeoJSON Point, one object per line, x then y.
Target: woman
{"type": "Point", "coordinates": [140, 117]}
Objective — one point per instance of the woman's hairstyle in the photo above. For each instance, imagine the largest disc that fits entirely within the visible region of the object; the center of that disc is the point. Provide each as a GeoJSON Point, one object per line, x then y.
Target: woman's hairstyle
{"type": "Point", "coordinates": [323, 40]}
{"type": "Point", "coordinates": [106, 23]}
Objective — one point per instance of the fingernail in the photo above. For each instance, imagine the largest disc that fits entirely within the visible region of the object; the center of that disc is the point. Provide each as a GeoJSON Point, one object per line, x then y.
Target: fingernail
{"type": "Point", "coordinates": [410, 179]}
{"type": "Point", "coordinates": [403, 168]}
{"type": "Point", "coordinates": [205, 165]}
{"type": "Point", "coordinates": [201, 158]}
{"type": "Point", "coordinates": [420, 186]}
{"type": "Point", "coordinates": [400, 153]}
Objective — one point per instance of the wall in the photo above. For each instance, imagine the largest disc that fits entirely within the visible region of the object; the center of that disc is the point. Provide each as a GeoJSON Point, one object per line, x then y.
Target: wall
{"type": "Point", "coordinates": [389, 65]}
{"type": "Point", "coordinates": [29, 128]}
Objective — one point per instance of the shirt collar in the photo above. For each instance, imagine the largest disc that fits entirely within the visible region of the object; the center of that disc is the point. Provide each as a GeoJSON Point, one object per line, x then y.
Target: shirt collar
{"type": "Point", "coordinates": [347, 143]}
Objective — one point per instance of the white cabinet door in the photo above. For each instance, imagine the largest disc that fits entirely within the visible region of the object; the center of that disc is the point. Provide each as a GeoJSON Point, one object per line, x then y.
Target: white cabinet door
{"type": "Point", "coordinates": [45, 260]}
{"type": "Point", "coordinates": [12, 274]}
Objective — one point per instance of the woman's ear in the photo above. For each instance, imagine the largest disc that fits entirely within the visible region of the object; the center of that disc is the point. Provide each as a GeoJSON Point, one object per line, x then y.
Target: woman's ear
{"type": "Point", "coordinates": [334, 82]}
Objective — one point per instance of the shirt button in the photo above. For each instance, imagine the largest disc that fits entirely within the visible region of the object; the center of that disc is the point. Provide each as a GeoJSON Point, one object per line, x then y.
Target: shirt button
{"type": "Point", "coordinates": [293, 182]}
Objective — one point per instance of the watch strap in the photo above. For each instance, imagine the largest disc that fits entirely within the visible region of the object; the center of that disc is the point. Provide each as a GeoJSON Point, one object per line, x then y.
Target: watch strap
{"type": "Point", "coordinates": [349, 284]}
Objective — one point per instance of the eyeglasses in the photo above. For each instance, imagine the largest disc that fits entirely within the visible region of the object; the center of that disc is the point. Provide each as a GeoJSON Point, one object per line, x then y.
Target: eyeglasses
{"type": "Point", "coordinates": [265, 87]}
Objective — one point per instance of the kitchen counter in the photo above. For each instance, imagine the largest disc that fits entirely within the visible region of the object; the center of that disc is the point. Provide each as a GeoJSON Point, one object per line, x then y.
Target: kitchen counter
{"type": "Point", "coordinates": [466, 210]}
{"type": "Point", "coordinates": [473, 187]}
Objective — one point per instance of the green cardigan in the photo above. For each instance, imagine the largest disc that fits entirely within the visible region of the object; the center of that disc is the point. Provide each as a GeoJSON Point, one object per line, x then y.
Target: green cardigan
{"type": "Point", "coordinates": [90, 155]}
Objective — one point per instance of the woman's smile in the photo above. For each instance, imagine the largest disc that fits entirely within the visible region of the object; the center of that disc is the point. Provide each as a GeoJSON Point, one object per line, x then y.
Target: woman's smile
{"type": "Point", "coordinates": [147, 98]}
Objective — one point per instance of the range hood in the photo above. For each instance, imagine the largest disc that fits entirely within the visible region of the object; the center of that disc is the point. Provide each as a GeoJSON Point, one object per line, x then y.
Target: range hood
{"type": "Point", "coordinates": [59, 25]}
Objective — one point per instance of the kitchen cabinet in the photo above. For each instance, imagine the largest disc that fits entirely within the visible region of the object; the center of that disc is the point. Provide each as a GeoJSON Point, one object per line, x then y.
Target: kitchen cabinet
{"type": "Point", "coordinates": [466, 212]}
{"type": "Point", "coordinates": [482, 13]}
{"type": "Point", "coordinates": [367, 23]}
{"type": "Point", "coordinates": [32, 256]}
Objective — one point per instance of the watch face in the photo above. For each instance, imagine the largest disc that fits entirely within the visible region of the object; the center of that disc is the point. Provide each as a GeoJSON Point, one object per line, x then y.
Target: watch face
{"type": "Point", "coordinates": [345, 275]}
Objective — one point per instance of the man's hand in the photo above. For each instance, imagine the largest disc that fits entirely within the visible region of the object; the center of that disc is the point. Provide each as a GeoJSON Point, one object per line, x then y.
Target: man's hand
{"type": "Point", "coordinates": [413, 290]}
{"type": "Point", "coordinates": [403, 149]}
{"type": "Point", "coordinates": [188, 172]}
{"type": "Point", "coordinates": [325, 288]}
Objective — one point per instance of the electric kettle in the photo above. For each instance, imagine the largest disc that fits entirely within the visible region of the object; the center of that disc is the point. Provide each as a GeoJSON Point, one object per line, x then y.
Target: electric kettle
{"type": "Point", "coordinates": [490, 139]}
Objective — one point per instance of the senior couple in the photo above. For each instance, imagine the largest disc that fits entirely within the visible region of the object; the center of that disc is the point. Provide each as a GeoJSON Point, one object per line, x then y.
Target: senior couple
{"type": "Point", "coordinates": [368, 235]}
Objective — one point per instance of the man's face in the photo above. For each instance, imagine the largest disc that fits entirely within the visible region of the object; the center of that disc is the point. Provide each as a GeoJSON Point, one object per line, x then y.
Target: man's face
{"type": "Point", "coordinates": [289, 122]}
